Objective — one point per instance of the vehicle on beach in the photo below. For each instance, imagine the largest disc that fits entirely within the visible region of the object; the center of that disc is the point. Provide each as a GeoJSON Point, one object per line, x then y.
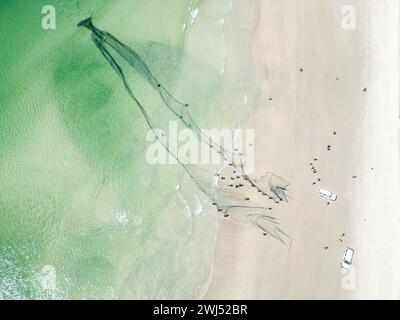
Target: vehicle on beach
{"type": "Point", "coordinates": [347, 258]}
{"type": "Point", "coordinates": [327, 194]}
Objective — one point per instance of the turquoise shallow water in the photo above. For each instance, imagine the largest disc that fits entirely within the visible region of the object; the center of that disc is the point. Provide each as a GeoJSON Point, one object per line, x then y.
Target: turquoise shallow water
{"type": "Point", "coordinates": [82, 214]}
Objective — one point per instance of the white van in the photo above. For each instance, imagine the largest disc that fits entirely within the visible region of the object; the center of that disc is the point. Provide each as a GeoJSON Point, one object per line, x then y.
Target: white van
{"type": "Point", "coordinates": [327, 194]}
{"type": "Point", "coordinates": [347, 258]}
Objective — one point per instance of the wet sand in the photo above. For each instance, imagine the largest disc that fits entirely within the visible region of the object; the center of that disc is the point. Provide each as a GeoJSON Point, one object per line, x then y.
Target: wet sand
{"type": "Point", "coordinates": [322, 86]}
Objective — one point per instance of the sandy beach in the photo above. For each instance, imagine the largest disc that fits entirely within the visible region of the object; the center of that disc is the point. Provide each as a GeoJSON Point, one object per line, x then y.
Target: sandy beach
{"type": "Point", "coordinates": [323, 84]}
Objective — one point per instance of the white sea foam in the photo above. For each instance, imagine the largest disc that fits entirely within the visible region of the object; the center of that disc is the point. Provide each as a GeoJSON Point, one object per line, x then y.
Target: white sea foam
{"type": "Point", "coordinates": [126, 217]}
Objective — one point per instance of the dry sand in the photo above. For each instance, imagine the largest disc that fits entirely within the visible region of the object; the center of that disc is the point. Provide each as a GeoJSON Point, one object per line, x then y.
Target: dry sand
{"type": "Point", "coordinates": [295, 127]}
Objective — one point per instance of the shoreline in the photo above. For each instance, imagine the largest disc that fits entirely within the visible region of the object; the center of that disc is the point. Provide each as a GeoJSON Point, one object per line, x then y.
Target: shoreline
{"type": "Point", "coordinates": [233, 60]}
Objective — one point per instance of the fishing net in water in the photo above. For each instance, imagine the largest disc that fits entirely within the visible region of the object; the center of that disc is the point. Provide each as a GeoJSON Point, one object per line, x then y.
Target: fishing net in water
{"type": "Point", "coordinates": [231, 199]}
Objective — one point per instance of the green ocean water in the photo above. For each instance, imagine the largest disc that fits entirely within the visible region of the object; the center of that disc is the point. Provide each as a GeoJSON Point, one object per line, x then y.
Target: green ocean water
{"type": "Point", "coordinates": [78, 201]}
